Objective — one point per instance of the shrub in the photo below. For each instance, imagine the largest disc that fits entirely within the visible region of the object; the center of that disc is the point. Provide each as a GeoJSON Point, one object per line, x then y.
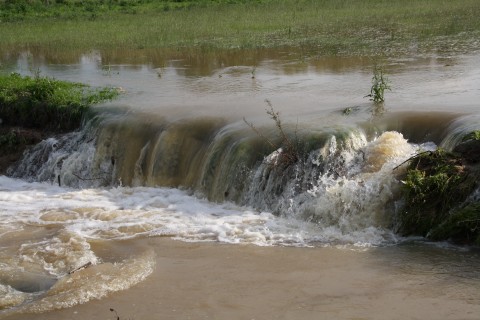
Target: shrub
{"type": "Point", "coordinates": [10, 141]}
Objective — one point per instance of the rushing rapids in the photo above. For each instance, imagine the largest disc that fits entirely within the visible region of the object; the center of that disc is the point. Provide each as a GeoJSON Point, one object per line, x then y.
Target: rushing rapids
{"type": "Point", "coordinates": [343, 181]}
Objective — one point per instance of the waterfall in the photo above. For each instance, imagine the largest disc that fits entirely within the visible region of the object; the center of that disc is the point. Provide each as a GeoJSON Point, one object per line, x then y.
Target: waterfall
{"type": "Point", "coordinates": [343, 179]}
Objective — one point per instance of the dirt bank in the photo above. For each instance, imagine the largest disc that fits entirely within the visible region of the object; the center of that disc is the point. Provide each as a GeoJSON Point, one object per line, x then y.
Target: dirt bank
{"type": "Point", "coordinates": [14, 141]}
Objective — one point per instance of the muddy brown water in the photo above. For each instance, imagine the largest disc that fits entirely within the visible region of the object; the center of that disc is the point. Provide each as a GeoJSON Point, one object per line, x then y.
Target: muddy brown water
{"type": "Point", "coordinates": [272, 272]}
{"type": "Point", "coordinates": [215, 281]}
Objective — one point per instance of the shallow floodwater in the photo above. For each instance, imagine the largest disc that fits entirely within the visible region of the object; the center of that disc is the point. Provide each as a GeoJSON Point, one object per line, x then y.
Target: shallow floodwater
{"type": "Point", "coordinates": [236, 84]}
{"type": "Point", "coordinates": [84, 217]}
{"type": "Point", "coordinates": [216, 281]}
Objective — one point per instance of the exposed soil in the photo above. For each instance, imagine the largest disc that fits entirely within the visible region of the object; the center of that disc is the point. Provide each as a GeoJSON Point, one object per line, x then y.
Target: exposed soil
{"type": "Point", "coordinates": [22, 139]}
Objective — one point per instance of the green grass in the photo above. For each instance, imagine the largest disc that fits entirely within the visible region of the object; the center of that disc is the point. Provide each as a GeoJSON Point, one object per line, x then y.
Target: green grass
{"type": "Point", "coordinates": [47, 104]}
{"type": "Point", "coordinates": [349, 27]}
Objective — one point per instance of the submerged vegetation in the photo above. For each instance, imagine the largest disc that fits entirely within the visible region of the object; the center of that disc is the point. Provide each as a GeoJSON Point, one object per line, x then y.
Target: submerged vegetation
{"type": "Point", "coordinates": [438, 190]}
{"type": "Point", "coordinates": [45, 103]}
{"type": "Point", "coordinates": [347, 27]}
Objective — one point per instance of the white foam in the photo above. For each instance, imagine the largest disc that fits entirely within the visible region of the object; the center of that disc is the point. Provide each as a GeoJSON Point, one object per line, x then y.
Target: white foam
{"type": "Point", "coordinates": [124, 212]}
{"type": "Point", "coordinates": [343, 209]}
{"type": "Point", "coordinates": [10, 297]}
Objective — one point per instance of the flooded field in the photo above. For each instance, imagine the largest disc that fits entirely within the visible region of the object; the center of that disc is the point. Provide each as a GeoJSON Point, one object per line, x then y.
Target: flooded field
{"type": "Point", "coordinates": [167, 205]}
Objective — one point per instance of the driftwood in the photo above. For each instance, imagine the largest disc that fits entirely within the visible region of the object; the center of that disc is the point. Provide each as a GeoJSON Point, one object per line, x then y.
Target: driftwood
{"type": "Point", "coordinates": [86, 265]}
{"type": "Point", "coordinates": [116, 314]}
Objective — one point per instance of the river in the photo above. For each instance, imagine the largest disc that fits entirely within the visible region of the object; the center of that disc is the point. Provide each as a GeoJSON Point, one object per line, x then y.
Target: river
{"type": "Point", "coordinates": [167, 205]}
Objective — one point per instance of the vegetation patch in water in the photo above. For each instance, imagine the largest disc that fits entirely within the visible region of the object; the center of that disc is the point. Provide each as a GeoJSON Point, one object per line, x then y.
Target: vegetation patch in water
{"type": "Point", "coordinates": [437, 187]}
{"type": "Point", "coordinates": [45, 103]}
{"type": "Point", "coordinates": [333, 27]}
{"type": "Point", "coordinates": [380, 83]}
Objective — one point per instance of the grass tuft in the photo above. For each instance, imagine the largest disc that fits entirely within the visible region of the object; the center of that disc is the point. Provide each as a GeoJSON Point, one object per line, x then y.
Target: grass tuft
{"type": "Point", "coordinates": [474, 135]}
{"type": "Point", "coordinates": [461, 225]}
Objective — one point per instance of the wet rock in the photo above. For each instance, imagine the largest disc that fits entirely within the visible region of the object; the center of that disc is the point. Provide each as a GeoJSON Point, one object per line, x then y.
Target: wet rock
{"type": "Point", "coordinates": [469, 151]}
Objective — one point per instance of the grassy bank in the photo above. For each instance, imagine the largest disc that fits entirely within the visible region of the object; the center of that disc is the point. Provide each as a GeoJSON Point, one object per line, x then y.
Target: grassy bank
{"type": "Point", "coordinates": [329, 26]}
{"type": "Point", "coordinates": [32, 108]}
{"type": "Point", "coordinates": [438, 191]}
{"type": "Point", "coordinates": [45, 103]}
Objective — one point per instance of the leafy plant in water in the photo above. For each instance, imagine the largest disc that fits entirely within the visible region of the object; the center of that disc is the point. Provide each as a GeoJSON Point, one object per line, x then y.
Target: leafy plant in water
{"type": "Point", "coordinates": [379, 85]}
{"type": "Point", "coordinates": [289, 150]}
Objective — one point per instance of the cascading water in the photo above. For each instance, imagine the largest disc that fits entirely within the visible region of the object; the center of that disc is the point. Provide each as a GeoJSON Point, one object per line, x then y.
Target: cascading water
{"type": "Point", "coordinates": [344, 181]}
